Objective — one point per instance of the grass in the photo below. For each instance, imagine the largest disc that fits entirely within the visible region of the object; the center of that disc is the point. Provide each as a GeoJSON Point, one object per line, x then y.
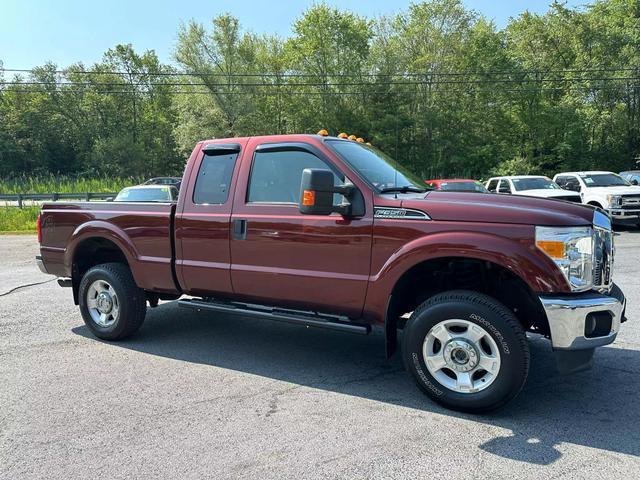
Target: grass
{"type": "Point", "coordinates": [64, 184]}
{"type": "Point", "coordinates": [18, 220]}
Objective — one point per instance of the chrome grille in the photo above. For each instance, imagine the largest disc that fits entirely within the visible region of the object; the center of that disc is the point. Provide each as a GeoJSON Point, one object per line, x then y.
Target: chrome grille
{"type": "Point", "coordinates": [603, 259]}
{"type": "Point", "coordinates": [632, 201]}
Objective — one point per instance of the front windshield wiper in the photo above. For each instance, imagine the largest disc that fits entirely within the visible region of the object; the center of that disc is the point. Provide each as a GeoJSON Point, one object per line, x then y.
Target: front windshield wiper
{"type": "Point", "coordinates": [403, 189]}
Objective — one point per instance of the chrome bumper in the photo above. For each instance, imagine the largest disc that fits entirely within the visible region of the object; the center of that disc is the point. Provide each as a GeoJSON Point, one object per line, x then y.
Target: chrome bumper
{"type": "Point", "coordinates": [622, 214]}
{"type": "Point", "coordinates": [584, 321]}
{"type": "Point", "coordinates": [40, 264]}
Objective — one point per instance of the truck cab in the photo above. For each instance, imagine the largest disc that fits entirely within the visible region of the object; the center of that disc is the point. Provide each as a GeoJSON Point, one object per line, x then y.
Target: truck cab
{"type": "Point", "coordinates": [332, 233]}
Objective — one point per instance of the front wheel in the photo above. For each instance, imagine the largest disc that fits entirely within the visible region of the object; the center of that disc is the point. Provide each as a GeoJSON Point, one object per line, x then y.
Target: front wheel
{"type": "Point", "coordinates": [112, 305]}
{"type": "Point", "coordinates": [466, 351]}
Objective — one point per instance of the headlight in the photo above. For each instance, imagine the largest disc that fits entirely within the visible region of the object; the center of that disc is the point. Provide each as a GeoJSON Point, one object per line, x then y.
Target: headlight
{"type": "Point", "coordinates": [572, 250]}
{"type": "Point", "coordinates": [614, 200]}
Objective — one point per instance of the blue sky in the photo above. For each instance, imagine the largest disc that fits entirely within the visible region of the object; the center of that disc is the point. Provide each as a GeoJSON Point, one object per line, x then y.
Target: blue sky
{"type": "Point", "coordinates": [66, 31]}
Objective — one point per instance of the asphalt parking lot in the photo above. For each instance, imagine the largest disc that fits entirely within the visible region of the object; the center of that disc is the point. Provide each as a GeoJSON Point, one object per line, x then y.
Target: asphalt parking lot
{"type": "Point", "coordinates": [197, 395]}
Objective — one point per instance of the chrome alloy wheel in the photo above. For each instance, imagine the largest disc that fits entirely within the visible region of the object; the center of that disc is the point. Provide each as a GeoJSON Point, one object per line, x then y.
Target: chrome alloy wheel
{"type": "Point", "coordinates": [461, 356]}
{"type": "Point", "coordinates": [102, 303]}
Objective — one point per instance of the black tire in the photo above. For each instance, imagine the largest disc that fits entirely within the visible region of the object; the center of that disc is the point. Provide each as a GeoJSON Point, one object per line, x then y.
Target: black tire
{"type": "Point", "coordinates": [131, 301]}
{"type": "Point", "coordinates": [497, 320]}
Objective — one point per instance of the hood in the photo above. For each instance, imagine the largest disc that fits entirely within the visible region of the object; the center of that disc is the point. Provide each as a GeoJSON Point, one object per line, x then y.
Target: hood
{"type": "Point", "coordinates": [547, 193]}
{"type": "Point", "coordinates": [624, 190]}
{"type": "Point", "coordinates": [491, 208]}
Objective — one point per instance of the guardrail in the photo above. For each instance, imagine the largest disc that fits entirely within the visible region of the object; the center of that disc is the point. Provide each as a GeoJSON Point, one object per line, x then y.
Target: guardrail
{"type": "Point", "coordinates": [21, 197]}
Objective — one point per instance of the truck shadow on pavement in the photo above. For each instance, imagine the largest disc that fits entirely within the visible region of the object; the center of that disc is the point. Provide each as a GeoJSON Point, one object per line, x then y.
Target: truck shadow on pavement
{"type": "Point", "coordinates": [599, 408]}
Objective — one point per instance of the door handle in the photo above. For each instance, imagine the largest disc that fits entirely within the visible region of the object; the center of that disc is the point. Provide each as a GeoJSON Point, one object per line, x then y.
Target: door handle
{"type": "Point", "coordinates": [239, 229]}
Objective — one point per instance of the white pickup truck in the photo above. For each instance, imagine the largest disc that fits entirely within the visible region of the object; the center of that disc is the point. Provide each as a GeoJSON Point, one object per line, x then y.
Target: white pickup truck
{"type": "Point", "coordinates": [531, 186]}
{"type": "Point", "coordinates": [606, 190]}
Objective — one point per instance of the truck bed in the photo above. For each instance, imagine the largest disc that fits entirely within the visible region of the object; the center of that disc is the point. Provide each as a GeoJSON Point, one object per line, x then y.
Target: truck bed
{"type": "Point", "coordinates": [143, 231]}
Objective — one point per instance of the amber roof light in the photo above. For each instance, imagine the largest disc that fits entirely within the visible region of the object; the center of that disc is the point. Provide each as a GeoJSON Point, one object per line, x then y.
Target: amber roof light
{"type": "Point", "coordinates": [323, 133]}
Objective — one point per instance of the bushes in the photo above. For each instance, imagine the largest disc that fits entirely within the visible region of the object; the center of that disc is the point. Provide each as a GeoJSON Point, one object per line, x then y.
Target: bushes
{"type": "Point", "coordinates": [65, 184]}
{"type": "Point", "coordinates": [14, 219]}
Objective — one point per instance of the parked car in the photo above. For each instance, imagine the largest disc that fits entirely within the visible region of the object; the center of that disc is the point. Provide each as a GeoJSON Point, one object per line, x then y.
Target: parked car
{"type": "Point", "coordinates": [148, 193]}
{"type": "Point", "coordinates": [605, 190]}
{"type": "Point", "coordinates": [175, 181]}
{"type": "Point", "coordinates": [324, 232]}
{"type": "Point", "coordinates": [632, 176]}
{"type": "Point", "coordinates": [530, 185]}
{"type": "Point", "coordinates": [457, 185]}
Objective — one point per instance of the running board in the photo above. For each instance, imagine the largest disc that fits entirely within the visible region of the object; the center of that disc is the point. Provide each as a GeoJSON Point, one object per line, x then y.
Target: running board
{"type": "Point", "coordinates": [299, 317]}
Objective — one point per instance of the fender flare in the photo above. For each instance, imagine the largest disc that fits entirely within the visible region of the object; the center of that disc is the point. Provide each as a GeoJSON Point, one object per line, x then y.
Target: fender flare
{"type": "Point", "coordinates": [535, 270]}
{"type": "Point", "coordinates": [538, 271]}
{"type": "Point", "coordinates": [104, 230]}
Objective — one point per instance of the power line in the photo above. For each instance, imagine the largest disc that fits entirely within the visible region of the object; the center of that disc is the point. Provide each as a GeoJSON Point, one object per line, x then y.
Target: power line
{"type": "Point", "coordinates": [308, 75]}
{"type": "Point", "coordinates": [321, 84]}
{"type": "Point", "coordinates": [323, 93]}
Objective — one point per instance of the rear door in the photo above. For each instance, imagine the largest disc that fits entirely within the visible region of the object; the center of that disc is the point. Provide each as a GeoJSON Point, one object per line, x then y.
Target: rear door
{"type": "Point", "coordinates": [202, 220]}
{"type": "Point", "coordinates": [281, 257]}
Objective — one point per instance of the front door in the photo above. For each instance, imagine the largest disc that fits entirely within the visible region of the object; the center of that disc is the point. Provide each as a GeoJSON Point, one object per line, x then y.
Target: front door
{"type": "Point", "coordinates": [281, 257]}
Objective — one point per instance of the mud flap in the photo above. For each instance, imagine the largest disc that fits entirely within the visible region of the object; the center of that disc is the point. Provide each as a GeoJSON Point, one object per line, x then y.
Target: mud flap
{"type": "Point", "coordinates": [573, 361]}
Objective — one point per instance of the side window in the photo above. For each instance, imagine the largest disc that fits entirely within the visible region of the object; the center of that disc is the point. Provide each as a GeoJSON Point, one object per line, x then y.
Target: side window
{"type": "Point", "coordinates": [562, 181]}
{"type": "Point", "coordinates": [571, 183]}
{"type": "Point", "coordinates": [492, 185]}
{"type": "Point", "coordinates": [504, 186]}
{"type": "Point", "coordinates": [214, 178]}
{"type": "Point", "coordinates": [276, 176]}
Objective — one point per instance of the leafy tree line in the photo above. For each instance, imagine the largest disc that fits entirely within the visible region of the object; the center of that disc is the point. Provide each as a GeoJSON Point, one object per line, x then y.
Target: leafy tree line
{"type": "Point", "coordinates": [437, 86]}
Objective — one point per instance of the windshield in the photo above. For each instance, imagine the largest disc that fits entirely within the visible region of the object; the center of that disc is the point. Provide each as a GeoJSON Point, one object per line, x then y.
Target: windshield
{"type": "Point", "coordinates": [160, 194]}
{"type": "Point", "coordinates": [603, 180]}
{"type": "Point", "coordinates": [463, 187]}
{"type": "Point", "coordinates": [376, 167]}
{"type": "Point", "coordinates": [534, 183]}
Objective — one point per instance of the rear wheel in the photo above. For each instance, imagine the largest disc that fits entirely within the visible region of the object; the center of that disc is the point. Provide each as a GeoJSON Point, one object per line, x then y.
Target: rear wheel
{"type": "Point", "coordinates": [112, 305]}
{"type": "Point", "coordinates": [466, 351]}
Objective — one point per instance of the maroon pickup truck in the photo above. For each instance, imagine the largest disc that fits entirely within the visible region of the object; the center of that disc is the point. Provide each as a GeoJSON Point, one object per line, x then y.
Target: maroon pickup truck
{"type": "Point", "coordinates": [332, 233]}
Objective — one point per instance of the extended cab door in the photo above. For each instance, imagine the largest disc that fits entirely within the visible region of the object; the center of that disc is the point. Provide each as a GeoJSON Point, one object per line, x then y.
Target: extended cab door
{"type": "Point", "coordinates": [282, 257]}
{"type": "Point", "coordinates": [202, 219]}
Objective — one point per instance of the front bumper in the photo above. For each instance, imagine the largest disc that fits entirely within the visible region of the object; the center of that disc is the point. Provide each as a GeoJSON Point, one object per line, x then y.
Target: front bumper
{"type": "Point", "coordinates": [623, 215]}
{"type": "Point", "coordinates": [585, 320]}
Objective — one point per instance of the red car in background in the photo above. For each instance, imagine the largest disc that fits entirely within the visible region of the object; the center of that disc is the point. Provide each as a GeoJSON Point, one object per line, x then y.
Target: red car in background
{"type": "Point", "coordinates": [457, 185]}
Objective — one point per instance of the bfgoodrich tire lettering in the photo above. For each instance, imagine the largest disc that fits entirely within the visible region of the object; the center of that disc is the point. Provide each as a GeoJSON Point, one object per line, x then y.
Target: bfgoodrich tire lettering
{"type": "Point", "coordinates": [115, 281]}
{"type": "Point", "coordinates": [473, 310]}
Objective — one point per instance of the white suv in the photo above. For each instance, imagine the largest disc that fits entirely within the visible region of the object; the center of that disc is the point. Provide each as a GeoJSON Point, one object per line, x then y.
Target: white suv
{"type": "Point", "coordinates": [606, 190]}
{"type": "Point", "coordinates": [531, 185]}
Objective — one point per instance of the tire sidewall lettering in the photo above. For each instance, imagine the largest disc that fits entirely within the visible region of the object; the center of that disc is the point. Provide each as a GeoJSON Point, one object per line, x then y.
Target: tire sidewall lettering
{"type": "Point", "coordinates": [423, 376]}
{"type": "Point", "coordinates": [494, 331]}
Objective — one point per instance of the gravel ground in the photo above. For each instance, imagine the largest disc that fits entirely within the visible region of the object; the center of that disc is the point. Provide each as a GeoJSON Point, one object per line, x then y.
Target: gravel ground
{"type": "Point", "coordinates": [196, 395]}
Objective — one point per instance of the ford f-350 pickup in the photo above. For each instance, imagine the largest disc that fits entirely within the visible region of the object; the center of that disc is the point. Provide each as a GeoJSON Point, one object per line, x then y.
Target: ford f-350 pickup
{"type": "Point", "coordinates": [326, 232]}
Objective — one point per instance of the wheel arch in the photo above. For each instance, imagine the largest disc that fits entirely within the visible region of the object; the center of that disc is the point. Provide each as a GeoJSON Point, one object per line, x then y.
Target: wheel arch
{"type": "Point", "coordinates": [94, 243]}
{"type": "Point", "coordinates": [432, 276]}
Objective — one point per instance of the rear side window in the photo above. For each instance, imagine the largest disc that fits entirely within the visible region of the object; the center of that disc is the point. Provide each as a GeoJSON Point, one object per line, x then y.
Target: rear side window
{"type": "Point", "coordinates": [214, 178]}
{"type": "Point", "coordinates": [276, 176]}
{"type": "Point", "coordinates": [492, 185]}
{"type": "Point", "coordinates": [504, 186]}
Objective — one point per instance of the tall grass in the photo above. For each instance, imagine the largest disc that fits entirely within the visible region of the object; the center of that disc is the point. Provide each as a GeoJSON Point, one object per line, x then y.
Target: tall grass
{"type": "Point", "coordinates": [14, 219]}
{"type": "Point", "coordinates": [64, 184]}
